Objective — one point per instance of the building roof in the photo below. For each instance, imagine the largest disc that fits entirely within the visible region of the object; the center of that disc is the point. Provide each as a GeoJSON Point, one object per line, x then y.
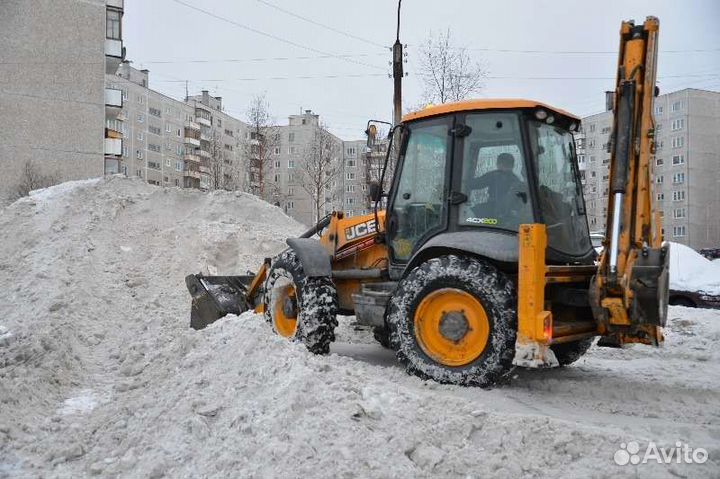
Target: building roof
{"type": "Point", "coordinates": [483, 104]}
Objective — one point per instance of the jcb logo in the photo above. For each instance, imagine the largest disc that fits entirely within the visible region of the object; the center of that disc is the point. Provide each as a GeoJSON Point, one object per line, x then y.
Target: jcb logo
{"type": "Point", "coordinates": [358, 231]}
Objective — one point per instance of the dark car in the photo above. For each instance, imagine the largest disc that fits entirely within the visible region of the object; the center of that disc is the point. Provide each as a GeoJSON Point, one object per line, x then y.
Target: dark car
{"type": "Point", "coordinates": [694, 299]}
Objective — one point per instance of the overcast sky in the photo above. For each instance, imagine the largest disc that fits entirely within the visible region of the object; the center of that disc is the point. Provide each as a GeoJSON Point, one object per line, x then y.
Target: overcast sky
{"type": "Point", "coordinates": [333, 60]}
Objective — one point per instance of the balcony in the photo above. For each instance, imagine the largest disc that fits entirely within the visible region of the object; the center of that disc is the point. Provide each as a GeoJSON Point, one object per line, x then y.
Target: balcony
{"type": "Point", "coordinates": [113, 103]}
{"type": "Point", "coordinates": [192, 157]}
{"type": "Point", "coordinates": [118, 4]}
{"type": "Point", "coordinates": [203, 121]}
{"type": "Point", "coordinates": [191, 174]}
{"type": "Point", "coordinates": [204, 169]}
{"type": "Point", "coordinates": [205, 137]}
{"type": "Point", "coordinates": [113, 146]}
{"type": "Point", "coordinates": [192, 141]}
{"type": "Point", "coordinates": [114, 55]}
{"type": "Point", "coordinates": [191, 125]}
{"type": "Point", "coordinates": [204, 154]}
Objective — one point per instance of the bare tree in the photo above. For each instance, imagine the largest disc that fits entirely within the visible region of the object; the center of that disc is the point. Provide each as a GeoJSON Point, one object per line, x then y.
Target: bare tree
{"type": "Point", "coordinates": [31, 179]}
{"type": "Point", "coordinates": [448, 72]}
{"type": "Point", "coordinates": [217, 161]}
{"type": "Point", "coordinates": [318, 168]}
{"type": "Point", "coordinates": [261, 146]}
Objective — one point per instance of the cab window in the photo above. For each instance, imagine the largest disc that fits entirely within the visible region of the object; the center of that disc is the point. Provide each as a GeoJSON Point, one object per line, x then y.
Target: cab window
{"type": "Point", "coordinates": [494, 178]}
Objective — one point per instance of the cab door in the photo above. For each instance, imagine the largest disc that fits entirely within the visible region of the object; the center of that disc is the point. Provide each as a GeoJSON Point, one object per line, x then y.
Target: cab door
{"type": "Point", "coordinates": [418, 207]}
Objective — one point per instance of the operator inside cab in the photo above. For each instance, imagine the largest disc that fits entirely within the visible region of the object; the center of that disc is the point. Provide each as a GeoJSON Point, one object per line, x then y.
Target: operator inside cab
{"type": "Point", "coordinates": [497, 196]}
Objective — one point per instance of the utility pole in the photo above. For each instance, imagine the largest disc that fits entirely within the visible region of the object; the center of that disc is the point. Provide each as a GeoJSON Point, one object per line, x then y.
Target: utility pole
{"type": "Point", "coordinates": [397, 73]}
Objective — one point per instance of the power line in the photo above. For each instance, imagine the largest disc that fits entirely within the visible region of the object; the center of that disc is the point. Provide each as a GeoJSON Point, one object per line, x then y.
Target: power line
{"type": "Point", "coordinates": [272, 36]}
{"type": "Point", "coordinates": [300, 77]}
{"type": "Point", "coordinates": [261, 59]}
{"type": "Point", "coordinates": [322, 25]}
{"type": "Point", "coordinates": [563, 52]}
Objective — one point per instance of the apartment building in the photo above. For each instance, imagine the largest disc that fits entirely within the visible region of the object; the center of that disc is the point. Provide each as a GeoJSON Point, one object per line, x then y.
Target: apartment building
{"type": "Point", "coordinates": [686, 177]}
{"type": "Point", "coordinates": [167, 142]}
{"type": "Point", "coordinates": [52, 87]}
{"type": "Point", "coordinates": [286, 176]}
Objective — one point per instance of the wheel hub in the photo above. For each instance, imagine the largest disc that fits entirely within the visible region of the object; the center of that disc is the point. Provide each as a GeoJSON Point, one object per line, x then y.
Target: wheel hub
{"type": "Point", "coordinates": [454, 325]}
{"type": "Point", "coordinates": [289, 307]}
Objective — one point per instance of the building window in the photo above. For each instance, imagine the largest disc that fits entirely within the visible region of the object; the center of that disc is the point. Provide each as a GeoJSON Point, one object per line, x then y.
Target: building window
{"type": "Point", "coordinates": [291, 178]}
{"type": "Point", "coordinates": [676, 106]}
{"type": "Point", "coordinates": [291, 136]}
{"type": "Point", "coordinates": [352, 151]}
{"type": "Point", "coordinates": [113, 24]}
{"type": "Point", "coordinates": [219, 122]}
{"type": "Point", "coordinates": [659, 179]}
{"type": "Point", "coordinates": [168, 162]}
{"type": "Point", "coordinates": [155, 148]}
{"type": "Point", "coordinates": [276, 151]}
{"type": "Point", "coordinates": [679, 195]}
{"type": "Point", "coordinates": [350, 188]}
{"type": "Point", "coordinates": [591, 144]}
{"type": "Point", "coordinates": [178, 133]}
{"type": "Point", "coordinates": [140, 118]}
{"type": "Point", "coordinates": [677, 142]}
{"type": "Point", "coordinates": [140, 136]}
{"type": "Point", "coordinates": [350, 176]}
{"type": "Point", "coordinates": [660, 196]}
{"type": "Point", "coordinates": [168, 128]}
{"type": "Point", "coordinates": [678, 231]}
{"type": "Point", "coordinates": [139, 154]}
{"type": "Point", "coordinates": [154, 111]}
{"type": "Point", "coordinates": [679, 213]}
{"type": "Point", "coordinates": [179, 150]}
{"type": "Point", "coordinates": [678, 124]}
{"type": "Point", "coordinates": [351, 163]}
{"type": "Point", "coordinates": [592, 129]}
{"type": "Point", "coordinates": [349, 201]}
{"type": "Point", "coordinates": [291, 190]}
{"type": "Point", "coordinates": [658, 109]}
{"type": "Point", "coordinates": [277, 178]}
{"type": "Point", "coordinates": [289, 205]}
{"type": "Point", "coordinates": [292, 150]}
{"type": "Point", "coordinates": [291, 163]}
{"type": "Point", "coordinates": [179, 165]}
{"type": "Point", "coordinates": [679, 178]}
{"type": "Point", "coordinates": [659, 161]}
{"type": "Point", "coordinates": [678, 160]}
{"type": "Point", "coordinates": [154, 130]}
{"type": "Point", "coordinates": [177, 182]}
{"type": "Point", "coordinates": [140, 99]}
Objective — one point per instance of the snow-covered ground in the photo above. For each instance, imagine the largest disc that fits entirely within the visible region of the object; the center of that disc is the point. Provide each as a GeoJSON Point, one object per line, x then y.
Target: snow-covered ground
{"type": "Point", "coordinates": [100, 374]}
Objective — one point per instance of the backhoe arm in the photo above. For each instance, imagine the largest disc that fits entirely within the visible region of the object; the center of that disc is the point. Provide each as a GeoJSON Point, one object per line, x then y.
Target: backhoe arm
{"type": "Point", "coordinates": [630, 293]}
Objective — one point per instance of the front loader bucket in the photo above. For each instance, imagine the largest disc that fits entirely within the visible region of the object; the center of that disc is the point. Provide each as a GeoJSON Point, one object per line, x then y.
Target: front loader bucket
{"type": "Point", "coordinates": [216, 296]}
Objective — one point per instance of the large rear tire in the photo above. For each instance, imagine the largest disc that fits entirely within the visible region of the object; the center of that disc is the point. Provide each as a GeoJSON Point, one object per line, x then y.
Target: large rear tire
{"type": "Point", "coordinates": [453, 319]}
{"type": "Point", "coordinates": [300, 308]}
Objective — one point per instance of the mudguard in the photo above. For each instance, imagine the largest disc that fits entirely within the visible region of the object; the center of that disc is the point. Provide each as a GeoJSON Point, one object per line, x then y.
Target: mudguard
{"type": "Point", "coordinates": [494, 245]}
{"type": "Point", "coordinates": [315, 259]}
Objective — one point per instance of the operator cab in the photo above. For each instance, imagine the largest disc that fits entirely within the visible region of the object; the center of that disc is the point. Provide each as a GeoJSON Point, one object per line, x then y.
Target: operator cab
{"type": "Point", "coordinates": [487, 167]}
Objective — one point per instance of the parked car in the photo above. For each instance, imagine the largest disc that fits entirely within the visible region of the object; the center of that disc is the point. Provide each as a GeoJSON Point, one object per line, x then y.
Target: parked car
{"type": "Point", "coordinates": [694, 280]}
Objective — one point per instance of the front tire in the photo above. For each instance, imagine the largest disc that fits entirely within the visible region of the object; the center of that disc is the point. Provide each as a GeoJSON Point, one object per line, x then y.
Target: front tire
{"type": "Point", "coordinates": [453, 319]}
{"type": "Point", "coordinates": [300, 308]}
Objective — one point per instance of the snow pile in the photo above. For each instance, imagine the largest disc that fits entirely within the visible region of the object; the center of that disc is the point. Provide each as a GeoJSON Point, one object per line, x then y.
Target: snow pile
{"type": "Point", "coordinates": [101, 376]}
{"type": "Point", "coordinates": [690, 271]}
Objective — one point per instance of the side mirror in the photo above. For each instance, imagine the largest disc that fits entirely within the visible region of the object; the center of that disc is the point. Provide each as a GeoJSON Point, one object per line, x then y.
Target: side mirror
{"type": "Point", "coordinates": [371, 133]}
{"type": "Point", "coordinates": [375, 191]}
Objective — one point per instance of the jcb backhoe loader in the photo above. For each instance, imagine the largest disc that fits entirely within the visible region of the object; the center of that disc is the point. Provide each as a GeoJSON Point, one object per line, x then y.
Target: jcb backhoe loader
{"type": "Point", "coordinates": [482, 258]}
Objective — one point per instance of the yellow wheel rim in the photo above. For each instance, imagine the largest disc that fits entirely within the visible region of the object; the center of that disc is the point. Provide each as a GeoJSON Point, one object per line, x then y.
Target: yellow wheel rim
{"type": "Point", "coordinates": [451, 327]}
{"type": "Point", "coordinates": [285, 317]}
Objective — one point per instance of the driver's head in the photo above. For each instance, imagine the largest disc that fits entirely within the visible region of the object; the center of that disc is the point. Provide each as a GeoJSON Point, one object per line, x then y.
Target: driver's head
{"type": "Point", "coordinates": [505, 162]}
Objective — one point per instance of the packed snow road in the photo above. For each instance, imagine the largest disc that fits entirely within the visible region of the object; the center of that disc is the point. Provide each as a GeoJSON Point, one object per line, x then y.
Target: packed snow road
{"type": "Point", "coordinates": [101, 376]}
